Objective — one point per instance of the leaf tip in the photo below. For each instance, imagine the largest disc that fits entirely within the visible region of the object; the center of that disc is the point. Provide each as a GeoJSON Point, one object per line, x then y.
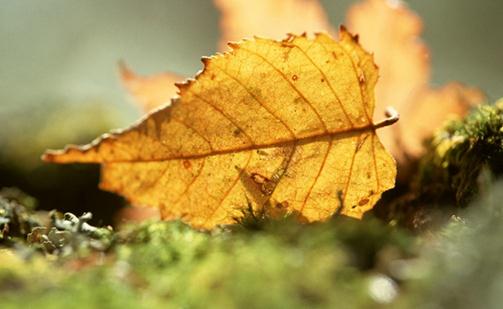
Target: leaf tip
{"type": "Point", "coordinates": [183, 85]}
{"type": "Point", "coordinates": [47, 156]}
{"type": "Point", "coordinates": [344, 33]}
{"type": "Point", "coordinates": [205, 60]}
{"type": "Point", "coordinates": [54, 156]}
{"type": "Point", "coordinates": [233, 45]}
{"type": "Point", "coordinates": [290, 37]}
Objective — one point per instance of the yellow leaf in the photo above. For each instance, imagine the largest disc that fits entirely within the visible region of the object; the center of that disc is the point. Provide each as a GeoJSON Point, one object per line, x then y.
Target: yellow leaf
{"type": "Point", "coordinates": [283, 125]}
{"type": "Point", "coordinates": [149, 92]}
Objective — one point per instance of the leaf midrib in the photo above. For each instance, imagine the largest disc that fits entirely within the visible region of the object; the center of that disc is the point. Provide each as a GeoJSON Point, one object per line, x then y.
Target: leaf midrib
{"type": "Point", "coordinates": [282, 143]}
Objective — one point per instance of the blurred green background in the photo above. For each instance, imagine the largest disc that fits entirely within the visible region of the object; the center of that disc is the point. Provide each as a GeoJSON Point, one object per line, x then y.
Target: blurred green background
{"type": "Point", "coordinates": [59, 82]}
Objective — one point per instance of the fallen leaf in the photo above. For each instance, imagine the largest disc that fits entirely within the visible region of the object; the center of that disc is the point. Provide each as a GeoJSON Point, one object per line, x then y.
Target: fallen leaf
{"type": "Point", "coordinates": [149, 92]}
{"type": "Point", "coordinates": [277, 124]}
{"type": "Point", "coordinates": [271, 19]}
{"type": "Point", "coordinates": [387, 28]}
{"type": "Point", "coordinates": [392, 32]}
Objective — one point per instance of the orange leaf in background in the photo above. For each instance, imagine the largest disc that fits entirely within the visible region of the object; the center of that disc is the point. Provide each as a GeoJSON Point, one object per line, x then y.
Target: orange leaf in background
{"type": "Point", "coordinates": [137, 214]}
{"type": "Point", "coordinates": [386, 28]}
{"type": "Point", "coordinates": [283, 125]}
{"type": "Point", "coordinates": [391, 31]}
{"type": "Point", "coordinates": [149, 92]}
{"type": "Point", "coordinates": [240, 19]}
{"type": "Point", "coordinates": [271, 19]}
{"type": "Point", "coordinates": [425, 115]}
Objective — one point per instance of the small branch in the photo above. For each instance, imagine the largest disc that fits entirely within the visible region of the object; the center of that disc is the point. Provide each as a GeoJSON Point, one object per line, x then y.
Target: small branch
{"type": "Point", "coordinates": [392, 117]}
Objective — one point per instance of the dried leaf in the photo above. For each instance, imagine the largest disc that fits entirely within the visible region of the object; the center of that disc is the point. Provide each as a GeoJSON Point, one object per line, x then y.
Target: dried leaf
{"type": "Point", "coordinates": [278, 124]}
{"type": "Point", "coordinates": [391, 31]}
{"type": "Point", "coordinates": [149, 92]}
{"type": "Point", "coordinates": [272, 19]}
{"type": "Point", "coordinates": [388, 29]}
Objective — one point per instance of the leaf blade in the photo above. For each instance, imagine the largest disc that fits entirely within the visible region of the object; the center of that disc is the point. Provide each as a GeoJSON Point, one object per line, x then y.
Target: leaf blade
{"type": "Point", "coordinates": [262, 124]}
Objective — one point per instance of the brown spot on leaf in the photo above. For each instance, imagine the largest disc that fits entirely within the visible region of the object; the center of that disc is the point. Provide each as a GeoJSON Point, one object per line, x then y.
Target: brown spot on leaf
{"type": "Point", "coordinates": [287, 44]}
{"type": "Point", "coordinates": [187, 164]}
{"type": "Point", "coordinates": [363, 201]}
{"type": "Point", "coordinates": [257, 178]}
{"type": "Point", "coordinates": [283, 204]}
{"type": "Point", "coordinates": [295, 77]}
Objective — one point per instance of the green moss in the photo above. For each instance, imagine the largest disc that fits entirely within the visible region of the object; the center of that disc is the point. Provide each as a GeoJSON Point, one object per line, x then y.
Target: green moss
{"type": "Point", "coordinates": [161, 264]}
{"type": "Point", "coordinates": [16, 215]}
{"type": "Point", "coordinates": [462, 159]}
{"type": "Point", "coordinates": [460, 152]}
{"type": "Point", "coordinates": [462, 267]}
{"type": "Point", "coordinates": [339, 263]}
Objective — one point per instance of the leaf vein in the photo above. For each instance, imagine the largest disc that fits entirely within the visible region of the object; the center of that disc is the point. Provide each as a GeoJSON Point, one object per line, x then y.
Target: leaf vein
{"type": "Point", "coordinates": [225, 116]}
{"type": "Point", "coordinates": [353, 64]}
{"type": "Point", "coordinates": [258, 101]}
{"type": "Point", "coordinates": [196, 131]}
{"type": "Point", "coordinates": [328, 83]}
{"type": "Point", "coordinates": [292, 86]}
{"type": "Point", "coordinates": [226, 194]}
{"type": "Point", "coordinates": [199, 172]}
{"type": "Point", "coordinates": [320, 170]}
{"type": "Point", "coordinates": [378, 184]}
{"type": "Point", "coordinates": [348, 181]}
